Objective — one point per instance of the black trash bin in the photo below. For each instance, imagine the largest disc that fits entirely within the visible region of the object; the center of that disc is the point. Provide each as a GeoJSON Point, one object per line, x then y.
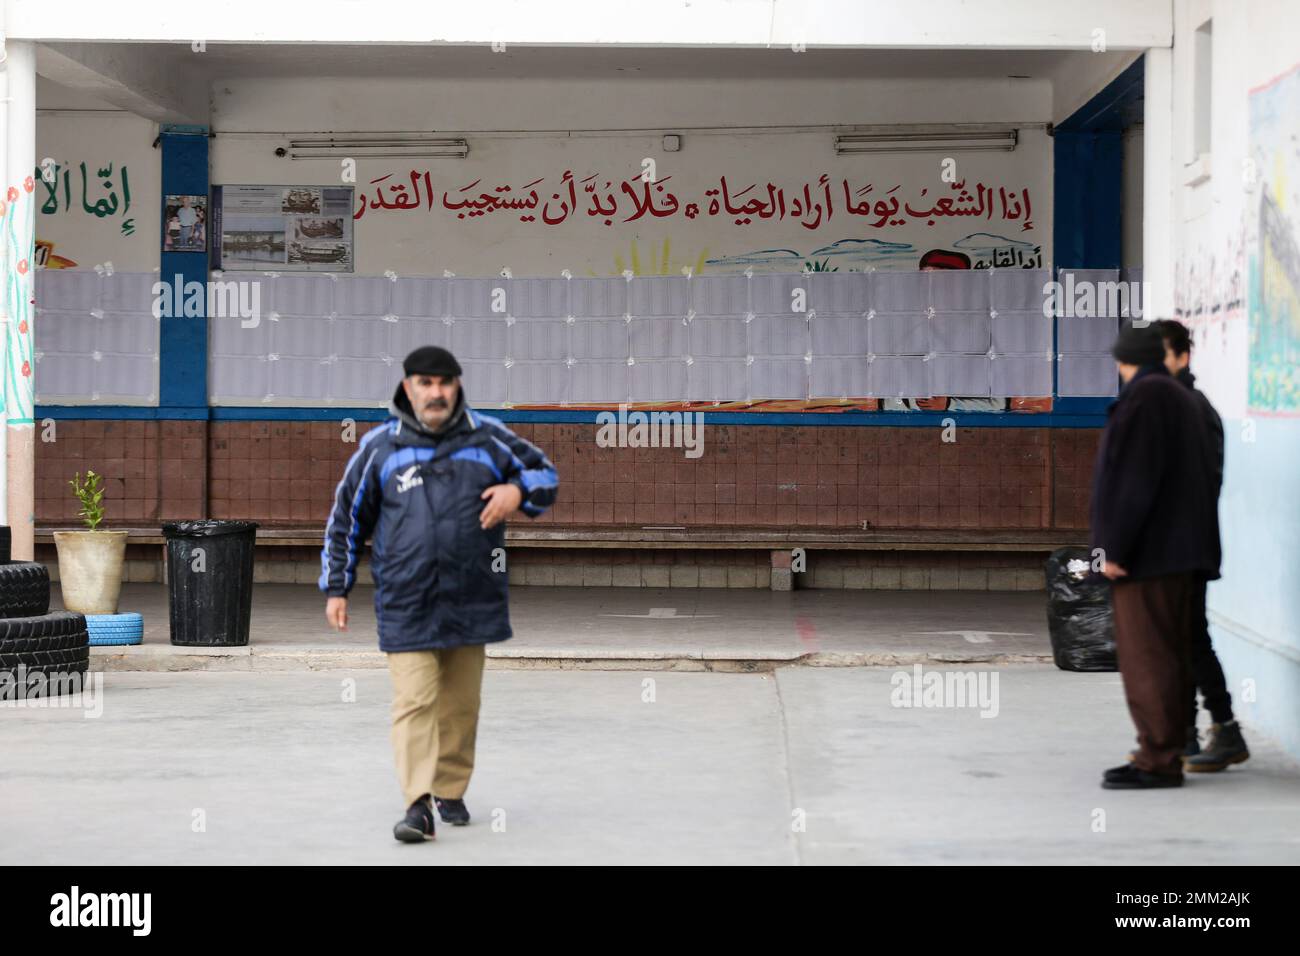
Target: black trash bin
{"type": "Point", "coordinates": [1079, 616]}
{"type": "Point", "coordinates": [210, 581]}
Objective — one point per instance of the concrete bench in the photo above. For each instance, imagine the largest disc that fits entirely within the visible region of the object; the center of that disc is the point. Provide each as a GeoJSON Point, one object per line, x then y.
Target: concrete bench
{"type": "Point", "coordinates": [787, 548]}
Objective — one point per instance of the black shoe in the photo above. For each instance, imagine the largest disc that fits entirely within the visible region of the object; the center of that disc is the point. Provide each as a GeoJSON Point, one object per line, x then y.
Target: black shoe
{"type": "Point", "coordinates": [452, 811]}
{"type": "Point", "coordinates": [1129, 777]}
{"type": "Point", "coordinates": [418, 825]}
{"type": "Point", "coordinates": [1226, 746]}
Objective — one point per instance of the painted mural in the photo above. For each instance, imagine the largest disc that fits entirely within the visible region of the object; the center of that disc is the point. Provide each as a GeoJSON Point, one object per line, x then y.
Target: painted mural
{"type": "Point", "coordinates": [1273, 386]}
{"type": "Point", "coordinates": [975, 225]}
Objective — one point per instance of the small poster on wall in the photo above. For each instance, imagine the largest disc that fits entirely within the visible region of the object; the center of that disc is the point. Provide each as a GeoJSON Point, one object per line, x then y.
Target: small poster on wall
{"type": "Point", "coordinates": [282, 228]}
{"type": "Point", "coordinates": [185, 224]}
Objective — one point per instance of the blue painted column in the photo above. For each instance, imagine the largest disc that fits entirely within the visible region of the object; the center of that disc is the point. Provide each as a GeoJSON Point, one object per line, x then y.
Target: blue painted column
{"type": "Point", "coordinates": [183, 340]}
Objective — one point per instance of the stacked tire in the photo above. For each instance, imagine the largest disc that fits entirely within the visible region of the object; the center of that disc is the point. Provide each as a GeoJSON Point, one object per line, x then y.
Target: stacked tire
{"type": "Point", "coordinates": [38, 649]}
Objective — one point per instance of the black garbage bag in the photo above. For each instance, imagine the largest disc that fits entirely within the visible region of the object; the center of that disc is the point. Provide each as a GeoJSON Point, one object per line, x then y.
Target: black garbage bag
{"type": "Point", "coordinates": [1079, 614]}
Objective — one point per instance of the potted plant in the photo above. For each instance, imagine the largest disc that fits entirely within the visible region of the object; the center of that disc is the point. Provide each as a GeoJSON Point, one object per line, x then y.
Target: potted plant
{"type": "Point", "coordinates": [90, 562]}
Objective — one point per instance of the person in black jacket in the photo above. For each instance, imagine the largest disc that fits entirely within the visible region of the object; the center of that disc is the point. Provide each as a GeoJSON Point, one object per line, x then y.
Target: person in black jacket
{"type": "Point", "coordinates": [433, 484]}
{"type": "Point", "coordinates": [1155, 522]}
{"type": "Point", "coordinates": [1226, 744]}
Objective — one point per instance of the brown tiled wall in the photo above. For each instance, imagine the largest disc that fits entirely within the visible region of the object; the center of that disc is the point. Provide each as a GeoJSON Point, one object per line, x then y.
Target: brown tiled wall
{"type": "Point", "coordinates": [764, 476]}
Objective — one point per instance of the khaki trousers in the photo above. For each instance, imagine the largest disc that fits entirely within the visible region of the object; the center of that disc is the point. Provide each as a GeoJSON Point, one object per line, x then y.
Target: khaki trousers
{"type": "Point", "coordinates": [435, 719]}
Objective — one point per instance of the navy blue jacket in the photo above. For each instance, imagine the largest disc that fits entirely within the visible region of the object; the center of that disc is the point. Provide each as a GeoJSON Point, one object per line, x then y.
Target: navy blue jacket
{"type": "Point", "coordinates": [1155, 482]}
{"type": "Point", "coordinates": [418, 493]}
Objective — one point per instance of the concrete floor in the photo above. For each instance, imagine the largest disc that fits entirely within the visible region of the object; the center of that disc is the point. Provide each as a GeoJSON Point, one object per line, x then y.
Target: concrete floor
{"type": "Point", "coordinates": [581, 769]}
{"type": "Point", "coordinates": [682, 623]}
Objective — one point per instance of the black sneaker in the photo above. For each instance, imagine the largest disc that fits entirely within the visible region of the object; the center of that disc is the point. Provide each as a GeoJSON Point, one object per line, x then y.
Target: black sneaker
{"type": "Point", "coordinates": [418, 824]}
{"type": "Point", "coordinates": [1226, 746]}
{"type": "Point", "coordinates": [1129, 777]}
{"type": "Point", "coordinates": [452, 811]}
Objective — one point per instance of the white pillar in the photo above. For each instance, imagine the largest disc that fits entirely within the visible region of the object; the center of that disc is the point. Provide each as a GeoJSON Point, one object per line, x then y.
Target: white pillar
{"type": "Point", "coordinates": [19, 224]}
{"type": "Point", "coordinates": [1158, 184]}
{"type": "Point", "coordinates": [4, 300]}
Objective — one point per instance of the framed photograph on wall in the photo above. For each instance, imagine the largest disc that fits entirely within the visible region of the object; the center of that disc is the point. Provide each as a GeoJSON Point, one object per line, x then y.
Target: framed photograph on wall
{"type": "Point", "coordinates": [185, 224]}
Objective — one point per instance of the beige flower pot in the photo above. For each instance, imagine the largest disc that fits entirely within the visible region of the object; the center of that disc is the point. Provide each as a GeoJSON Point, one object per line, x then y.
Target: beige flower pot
{"type": "Point", "coordinates": [90, 569]}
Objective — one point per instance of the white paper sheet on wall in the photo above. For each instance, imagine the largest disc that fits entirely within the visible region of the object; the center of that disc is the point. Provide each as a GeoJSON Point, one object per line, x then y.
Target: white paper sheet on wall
{"type": "Point", "coordinates": [839, 335]}
{"type": "Point", "coordinates": [486, 383]}
{"type": "Point", "coordinates": [539, 339]}
{"type": "Point", "coordinates": [300, 295]}
{"type": "Point", "coordinates": [129, 291]}
{"type": "Point", "coordinates": [1018, 290]}
{"type": "Point", "coordinates": [63, 290]}
{"type": "Point", "coordinates": [537, 383]}
{"type": "Point", "coordinates": [365, 337]}
{"type": "Point", "coordinates": [779, 335]}
{"type": "Point", "coordinates": [717, 337]}
{"type": "Point", "coordinates": [657, 380]}
{"type": "Point", "coordinates": [899, 333]}
{"type": "Point", "coordinates": [425, 298]}
{"type": "Point", "coordinates": [778, 378]}
{"type": "Point", "coordinates": [839, 377]}
{"type": "Point", "coordinates": [1084, 376]}
{"type": "Point", "coordinates": [597, 339]}
{"type": "Point", "coordinates": [238, 381]}
{"type": "Point", "coordinates": [967, 376]}
{"type": "Point", "coordinates": [1085, 333]}
{"type": "Point", "coordinates": [773, 293]}
{"type": "Point", "coordinates": [482, 339]}
{"type": "Point", "coordinates": [363, 296]}
{"type": "Point", "coordinates": [361, 381]}
{"type": "Point", "coordinates": [1022, 332]}
{"type": "Point", "coordinates": [651, 338]}
{"type": "Point", "coordinates": [1029, 376]}
{"type": "Point", "coordinates": [537, 298]}
{"type": "Point", "coordinates": [65, 374]}
{"type": "Point", "coordinates": [475, 298]}
{"type": "Point", "coordinates": [839, 293]}
{"type": "Point", "coordinates": [894, 376]}
{"type": "Point", "coordinates": [900, 291]}
{"type": "Point", "coordinates": [969, 332]}
{"type": "Point", "coordinates": [715, 380]}
{"type": "Point", "coordinates": [598, 382]}
{"type": "Point", "coordinates": [720, 295]}
{"type": "Point", "coordinates": [597, 298]}
{"type": "Point", "coordinates": [409, 334]}
{"type": "Point", "coordinates": [118, 377]}
{"type": "Point", "coordinates": [959, 291]}
{"type": "Point", "coordinates": [658, 295]}
{"type": "Point", "coordinates": [127, 333]}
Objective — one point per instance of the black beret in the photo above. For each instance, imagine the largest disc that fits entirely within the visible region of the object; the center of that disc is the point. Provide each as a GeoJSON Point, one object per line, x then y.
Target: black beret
{"type": "Point", "coordinates": [431, 360]}
{"type": "Point", "coordinates": [1139, 345]}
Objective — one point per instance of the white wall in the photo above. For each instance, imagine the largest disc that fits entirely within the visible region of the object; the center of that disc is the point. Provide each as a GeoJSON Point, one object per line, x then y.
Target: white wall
{"type": "Point", "coordinates": [73, 130]}
{"type": "Point", "coordinates": [520, 132]}
{"type": "Point", "coordinates": [1256, 607]}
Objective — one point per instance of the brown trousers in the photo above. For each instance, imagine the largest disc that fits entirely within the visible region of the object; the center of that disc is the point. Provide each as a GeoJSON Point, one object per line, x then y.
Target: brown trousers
{"type": "Point", "coordinates": [1153, 620]}
{"type": "Point", "coordinates": [436, 697]}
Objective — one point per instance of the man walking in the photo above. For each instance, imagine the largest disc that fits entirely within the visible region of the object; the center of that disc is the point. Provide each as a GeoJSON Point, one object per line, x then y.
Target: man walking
{"type": "Point", "coordinates": [1226, 744]}
{"type": "Point", "coordinates": [434, 483]}
{"type": "Point", "coordinates": [1155, 523]}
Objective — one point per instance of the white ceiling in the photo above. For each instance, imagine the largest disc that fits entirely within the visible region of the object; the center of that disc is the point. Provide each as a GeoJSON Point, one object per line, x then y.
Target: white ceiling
{"type": "Point", "coordinates": [220, 61]}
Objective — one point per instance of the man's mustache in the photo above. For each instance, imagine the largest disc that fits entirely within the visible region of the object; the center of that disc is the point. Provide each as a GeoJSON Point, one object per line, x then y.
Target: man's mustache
{"type": "Point", "coordinates": [435, 403]}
